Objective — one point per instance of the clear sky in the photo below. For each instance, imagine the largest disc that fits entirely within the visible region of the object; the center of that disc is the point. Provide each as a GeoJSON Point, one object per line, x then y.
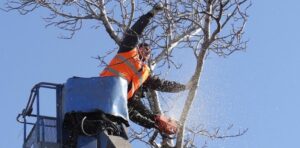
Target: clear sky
{"type": "Point", "coordinates": [256, 89]}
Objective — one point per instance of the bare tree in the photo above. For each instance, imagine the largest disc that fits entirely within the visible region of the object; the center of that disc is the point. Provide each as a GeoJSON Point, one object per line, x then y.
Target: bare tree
{"type": "Point", "coordinates": [203, 26]}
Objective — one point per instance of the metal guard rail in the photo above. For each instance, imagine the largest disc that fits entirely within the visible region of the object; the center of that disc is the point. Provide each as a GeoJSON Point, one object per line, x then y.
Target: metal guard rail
{"type": "Point", "coordinates": [34, 97]}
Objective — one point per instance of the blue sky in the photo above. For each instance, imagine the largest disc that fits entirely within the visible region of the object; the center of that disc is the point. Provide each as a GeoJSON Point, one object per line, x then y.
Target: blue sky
{"type": "Point", "coordinates": [256, 89]}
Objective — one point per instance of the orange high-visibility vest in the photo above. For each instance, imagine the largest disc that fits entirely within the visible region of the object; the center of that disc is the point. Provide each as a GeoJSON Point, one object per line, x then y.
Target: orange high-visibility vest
{"type": "Point", "coordinates": [128, 66]}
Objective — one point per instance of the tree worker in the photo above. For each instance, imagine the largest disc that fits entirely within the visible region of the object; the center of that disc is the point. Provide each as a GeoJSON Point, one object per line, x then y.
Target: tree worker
{"type": "Point", "coordinates": [130, 64]}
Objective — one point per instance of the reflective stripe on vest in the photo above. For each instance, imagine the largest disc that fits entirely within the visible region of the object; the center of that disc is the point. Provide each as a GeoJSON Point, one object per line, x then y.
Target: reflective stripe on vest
{"type": "Point", "coordinates": [128, 66]}
{"type": "Point", "coordinates": [132, 67]}
{"type": "Point", "coordinates": [117, 73]}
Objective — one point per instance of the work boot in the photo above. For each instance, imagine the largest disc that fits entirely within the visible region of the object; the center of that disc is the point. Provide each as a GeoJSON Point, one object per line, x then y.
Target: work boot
{"type": "Point", "coordinates": [157, 7]}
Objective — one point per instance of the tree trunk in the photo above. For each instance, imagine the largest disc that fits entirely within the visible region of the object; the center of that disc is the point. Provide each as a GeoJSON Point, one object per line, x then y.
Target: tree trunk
{"type": "Point", "coordinates": [190, 99]}
{"type": "Point", "coordinates": [196, 77]}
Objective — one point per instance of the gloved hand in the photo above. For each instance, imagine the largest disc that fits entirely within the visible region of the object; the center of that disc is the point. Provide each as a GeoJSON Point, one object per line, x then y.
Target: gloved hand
{"type": "Point", "coordinates": [165, 124]}
{"type": "Point", "coordinates": [158, 7]}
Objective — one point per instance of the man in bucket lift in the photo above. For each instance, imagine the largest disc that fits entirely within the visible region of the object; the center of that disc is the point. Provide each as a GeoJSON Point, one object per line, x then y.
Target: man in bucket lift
{"type": "Point", "coordinates": [130, 64]}
{"type": "Point", "coordinates": [118, 92]}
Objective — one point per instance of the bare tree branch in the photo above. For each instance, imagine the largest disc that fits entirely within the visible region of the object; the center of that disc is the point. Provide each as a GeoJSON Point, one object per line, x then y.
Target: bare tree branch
{"type": "Point", "coordinates": [107, 24]}
{"type": "Point", "coordinates": [173, 43]}
{"type": "Point", "coordinates": [204, 26]}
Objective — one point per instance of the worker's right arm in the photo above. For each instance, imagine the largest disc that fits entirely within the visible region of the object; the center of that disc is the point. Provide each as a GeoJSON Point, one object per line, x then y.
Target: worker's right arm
{"type": "Point", "coordinates": [131, 36]}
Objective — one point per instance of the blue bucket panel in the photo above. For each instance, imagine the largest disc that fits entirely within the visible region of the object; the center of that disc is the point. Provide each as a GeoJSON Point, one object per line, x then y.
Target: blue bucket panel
{"type": "Point", "coordinates": [108, 94]}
